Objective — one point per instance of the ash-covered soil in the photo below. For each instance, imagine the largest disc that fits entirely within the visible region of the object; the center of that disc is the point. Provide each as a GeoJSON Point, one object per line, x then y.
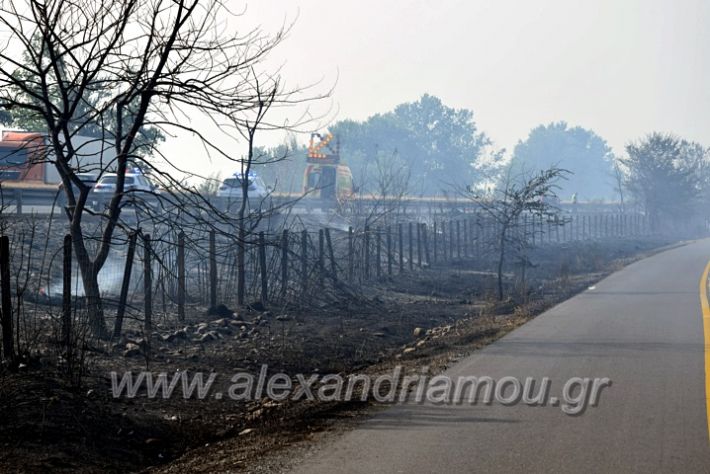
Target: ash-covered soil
{"type": "Point", "coordinates": [433, 317]}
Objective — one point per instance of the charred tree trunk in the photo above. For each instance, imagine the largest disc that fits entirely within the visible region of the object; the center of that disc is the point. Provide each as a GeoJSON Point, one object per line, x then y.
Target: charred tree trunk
{"type": "Point", "coordinates": [241, 282]}
{"type": "Point", "coordinates": [501, 263]}
{"type": "Point", "coordinates": [7, 331]}
{"type": "Point", "coordinates": [94, 305]}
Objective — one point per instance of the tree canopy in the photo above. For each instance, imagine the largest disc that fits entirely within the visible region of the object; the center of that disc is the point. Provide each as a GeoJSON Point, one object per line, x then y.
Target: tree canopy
{"type": "Point", "coordinates": [440, 145]}
{"type": "Point", "coordinates": [667, 174]}
{"type": "Point", "coordinates": [85, 121]}
{"type": "Point", "coordinates": [580, 151]}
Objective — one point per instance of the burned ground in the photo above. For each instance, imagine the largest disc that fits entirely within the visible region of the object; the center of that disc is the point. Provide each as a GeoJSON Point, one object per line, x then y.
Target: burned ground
{"type": "Point", "coordinates": [432, 316]}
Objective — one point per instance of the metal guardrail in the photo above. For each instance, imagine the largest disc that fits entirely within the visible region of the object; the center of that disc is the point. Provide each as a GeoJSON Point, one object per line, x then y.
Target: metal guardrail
{"type": "Point", "coordinates": [19, 198]}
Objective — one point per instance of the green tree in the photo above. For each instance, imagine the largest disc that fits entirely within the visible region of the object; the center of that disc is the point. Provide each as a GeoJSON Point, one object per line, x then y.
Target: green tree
{"type": "Point", "coordinates": [668, 175]}
{"type": "Point", "coordinates": [86, 118]}
{"type": "Point", "coordinates": [440, 145]}
{"type": "Point", "coordinates": [282, 166]}
{"type": "Point", "coordinates": [582, 152]}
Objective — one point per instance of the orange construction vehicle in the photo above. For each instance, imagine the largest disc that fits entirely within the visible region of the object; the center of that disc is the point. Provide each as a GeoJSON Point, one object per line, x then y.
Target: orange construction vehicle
{"type": "Point", "coordinates": [325, 177]}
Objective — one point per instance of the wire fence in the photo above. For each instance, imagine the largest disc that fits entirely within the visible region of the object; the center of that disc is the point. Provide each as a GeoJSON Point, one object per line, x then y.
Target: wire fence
{"type": "Point", "coordinates": [174, 276]}
{"type": "Point", "coordinates": [295, 266]}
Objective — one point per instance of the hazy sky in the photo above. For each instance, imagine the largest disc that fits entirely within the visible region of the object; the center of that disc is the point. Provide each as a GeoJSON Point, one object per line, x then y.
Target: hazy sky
{"type": "Point", "coordinates": [620, 67]}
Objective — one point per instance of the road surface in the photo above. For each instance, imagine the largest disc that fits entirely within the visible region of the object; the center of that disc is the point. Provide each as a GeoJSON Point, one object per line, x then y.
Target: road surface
{"type": "Point", "coordinates": [641, 327]}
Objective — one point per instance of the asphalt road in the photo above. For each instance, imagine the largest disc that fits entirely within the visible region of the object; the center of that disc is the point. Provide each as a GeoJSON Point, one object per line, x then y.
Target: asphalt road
{"type": "Point", "coordinates": [641, 327]}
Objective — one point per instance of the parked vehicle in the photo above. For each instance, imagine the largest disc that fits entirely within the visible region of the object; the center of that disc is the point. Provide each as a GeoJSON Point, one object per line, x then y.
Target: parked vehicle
{"type": "Point", "coordinates": [328, 182]}
{"type": "Point", "coordinates": [325, 177]}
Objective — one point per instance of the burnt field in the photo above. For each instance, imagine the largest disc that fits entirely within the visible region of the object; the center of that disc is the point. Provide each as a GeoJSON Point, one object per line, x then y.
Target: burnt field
{"type": "Point", "coordinates": [430, 313]}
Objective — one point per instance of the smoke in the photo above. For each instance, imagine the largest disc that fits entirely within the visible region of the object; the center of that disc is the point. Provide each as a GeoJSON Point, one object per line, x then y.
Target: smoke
{"type": "Point", "coordinates": [316, 220]}
{"type": "Point", "coordinates": [110, 279]}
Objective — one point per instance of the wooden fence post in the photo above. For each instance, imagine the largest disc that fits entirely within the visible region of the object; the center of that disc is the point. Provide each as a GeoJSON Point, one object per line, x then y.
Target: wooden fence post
{"type": "Point", "coordinates": [590, 227]}
{"type": "Point", "coordinates": [477, 242]}
{"type": "Point", "coordinates": [263, 269]}
{"type": "Point", "coordinates": [433, 241]}
{"type": "Point", "coordinates": [451, 240]}
{"type": "Point", "coordinates": [568, 229]}
{"type": "Point", "coordinates": [466, 240]}
{"type": "Point", "coordinates": [181, 286]}
{"type": "Point", "coordinates": [582, 229]}
{"type": "Point", "coordinates": [367, 252]}
{"type": "Point", "coordinates": [564, 229]}
{"type": "Point", "coordinates": [419, 245]}
{"type": "Point", "coordinates": [331, 255]}
{"type": "Point", "coordinates": [601, 226]}
{"type": "Point", "coordinates": [378, 257]}
{"type": "Point", "coordinates": [401, 247]}
{"type": "Point", "coordinates": [389, 250]}
{"type": "Point", "coordinates": [425, 238]}
{"type": "Point", "coordinates": [411, 246]}
{"type": "Point", "coordinates": [304, 260]}
{"type": "Point", "coordinates": [284, 262]}
{"type": "Point", "coordinates": [445, 253]}
{"type": "Point", "coordinates": [458, 239]}
{"type": "Point", "coordinates": [7, 341]}
{"type": "Point", "coordinates": [147, 287]}
{"type": "Point", "coordinates": [213, 269]}
{"type": "Point", "coordinates": [125, 285]}
{"type": "Point", "coordinates": [321, 256]}
{"type": "Point", "coordinates": [66, 298]}
{"type": "Point", "coordinates": [351, 256]}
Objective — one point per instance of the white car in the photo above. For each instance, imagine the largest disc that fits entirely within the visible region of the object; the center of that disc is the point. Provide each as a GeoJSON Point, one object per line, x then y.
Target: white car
{"type": "Point", "coordinates": [232, 187]}
{"type": "Point", "coordinates": [134, 181]}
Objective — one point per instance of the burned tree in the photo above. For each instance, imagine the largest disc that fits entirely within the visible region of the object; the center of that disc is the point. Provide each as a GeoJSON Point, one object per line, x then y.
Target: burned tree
{"type": "Point", "coordinates": [514, 199]}
{"type": "Point", "coordinates": [122, 68]}
{"type": "Point", "coordinates": [264, 98]}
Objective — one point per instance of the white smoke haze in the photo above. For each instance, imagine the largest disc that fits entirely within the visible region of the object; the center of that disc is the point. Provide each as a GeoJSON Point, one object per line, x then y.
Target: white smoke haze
{"type": "Point", "coordinates": [110, 279]}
